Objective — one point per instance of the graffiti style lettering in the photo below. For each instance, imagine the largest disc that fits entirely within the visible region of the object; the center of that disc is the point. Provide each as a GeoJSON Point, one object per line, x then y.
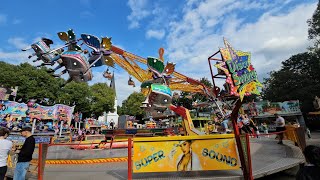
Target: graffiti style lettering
{"type": "Point", "coordinates": [245, 78]}
{"type": "Point", "coordinates": [147, 160]}
{"type": "Point", "coordinates": [234, 67]}
{"type": "Point", "coordinates": [220, 157]}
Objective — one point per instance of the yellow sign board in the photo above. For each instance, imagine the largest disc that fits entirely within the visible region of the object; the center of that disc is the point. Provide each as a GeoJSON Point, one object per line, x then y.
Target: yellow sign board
{"type": "Point", "coordinates": [186, 154]}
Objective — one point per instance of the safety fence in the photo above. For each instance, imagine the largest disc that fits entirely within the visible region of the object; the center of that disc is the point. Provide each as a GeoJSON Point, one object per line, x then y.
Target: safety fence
{"type": "Point", "coordinates": [169, 154]}
{"type": "Point", "coordinates": [292, 133]}
{"type": "Point", "coordinates": [156, 154]}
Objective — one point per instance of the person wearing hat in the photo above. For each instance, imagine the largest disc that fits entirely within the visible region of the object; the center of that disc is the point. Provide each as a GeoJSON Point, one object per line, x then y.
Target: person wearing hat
{"type": "Point", "coordinates": [188, 161]}
{"type": "Point", "coordinates": [5, 147]}
{"type": "Point", "coordinates": [24, 154]}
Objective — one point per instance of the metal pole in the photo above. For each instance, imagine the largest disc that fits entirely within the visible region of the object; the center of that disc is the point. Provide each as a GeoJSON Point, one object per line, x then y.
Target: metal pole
{"type": "Point", "coordinates": [234, 117]}
{"type": "Point", "coordinates": [61, 124]}
{"type": "Point", "coordinates": [211, 71]}
{"type": "Point", "coordinates": [40, 173]}
{"type": "Point", "coordinates": [33, 125]}
{"type": "Point", "coordinates": [129, 158]}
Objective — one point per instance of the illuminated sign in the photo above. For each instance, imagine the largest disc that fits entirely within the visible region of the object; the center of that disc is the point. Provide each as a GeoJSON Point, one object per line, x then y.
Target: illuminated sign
{"type": "Point", "coordinates": [241, 76]}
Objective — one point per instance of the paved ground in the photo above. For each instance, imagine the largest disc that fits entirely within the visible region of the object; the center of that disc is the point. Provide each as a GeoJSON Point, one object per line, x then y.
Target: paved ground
{"type": "Point", "coordinates": [285, 175]}
{"type": "Point", "coordinates": [314, 140]}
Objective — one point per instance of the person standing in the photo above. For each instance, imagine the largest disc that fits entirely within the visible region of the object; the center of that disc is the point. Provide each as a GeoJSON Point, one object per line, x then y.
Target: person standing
{"type": "Point", "coordinates": [112, 124]}
{"type": "Point", "coordinates": [5, 147]}
{"type": "Point", "coordinates": [24, 154]}
{"type": "Point", "coordinates": [280, 127]}
{"type": "Point", "coordinates": [265, 128]}
{"type": "Point", "coordinates": [227, 114]}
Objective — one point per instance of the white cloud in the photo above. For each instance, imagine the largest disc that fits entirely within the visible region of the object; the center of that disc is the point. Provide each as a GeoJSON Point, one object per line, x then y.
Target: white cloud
{"type": "Point", "coordinates": [17, 56]}
{"type": "Point", "coordinates": [3, 19]}
{"type": "Point", "coordinates": [138, 12]}
{"type": "Point", "coordinates": [157, 34]}
{"type": "Point", "coordinates": [272, 38]}
{"type": "Point", "coordinates": [18, 43]}
{"type": "Point", "coordinates": [122, 87]}
{"type": "Point", "coordinates": [14, 57]}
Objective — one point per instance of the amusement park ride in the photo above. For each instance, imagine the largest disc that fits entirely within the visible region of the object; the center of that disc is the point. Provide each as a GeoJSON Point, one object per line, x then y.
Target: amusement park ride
{"type": "Point", "coordinates": [159, 79]}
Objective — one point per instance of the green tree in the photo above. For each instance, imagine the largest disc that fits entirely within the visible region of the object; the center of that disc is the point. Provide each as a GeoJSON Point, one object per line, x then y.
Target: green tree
{"type": "Point", "coordinates": [201, 97]}
{"type": "Point", "coordinates": [297, 79]}
{"type": "Point", "coordinates": [299, 76]}
{"type": "Point", "coordinates": [186, 98]}
{"type": "Point", "coordinates": [131, 106]}
{"type": "Point", "coordinates": [102, 98]}
{"type": "Point", "coordinates": [120, 110]}
{"type": "Point", "coordinates": [32, 82]}
{"type": "Point", "coordinates": [314, 26]}
{"type": "Point", "coordinates": [77, 93]}
{"type": "Point", "coordinates": [38, 84]}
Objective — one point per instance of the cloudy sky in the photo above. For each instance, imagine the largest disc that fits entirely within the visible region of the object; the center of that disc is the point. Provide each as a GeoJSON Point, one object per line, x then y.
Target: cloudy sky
{"type": "Point", "coordinates": [189, 31]}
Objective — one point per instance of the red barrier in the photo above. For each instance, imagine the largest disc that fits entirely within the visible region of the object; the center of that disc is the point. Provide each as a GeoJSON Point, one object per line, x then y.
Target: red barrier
{"type": "Point", "coordinates": [268, 134]}
{"type": "Point", "coordinates": [40, 173]}
{"type": "Point", "coordinates": [129, 158]}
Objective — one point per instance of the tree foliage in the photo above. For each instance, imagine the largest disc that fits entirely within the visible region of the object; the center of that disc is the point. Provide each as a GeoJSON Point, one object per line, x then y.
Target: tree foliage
{"type": "Point", "coordinates": [32, 82]}
{"type": "Point", "coordinates": [201, 97]}
{"type": "Point", "coordinates": [299, 76]}
{"type": "Point", "coordinates": [297, 79]}
{"type": "Point", "coordinates": [78, 94]}
{"type": "Point", "coordinates": [102, 98]}
{"type": "Point", "coordinates": [186, 98]}
{"type": "Point", "coordinates": [131, 106]}
{"type": "Point", "coordinates": [314, 26]}
{"type": "Point", "coordinates": [36, 83]}
{"type": "Point", "coordinates": [120, 111]}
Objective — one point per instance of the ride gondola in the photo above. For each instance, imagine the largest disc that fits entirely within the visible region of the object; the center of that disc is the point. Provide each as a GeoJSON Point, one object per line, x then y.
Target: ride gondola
{"type": "Point", "coordinates": [131, 82]}
{"type": "Point", "coordinates": [107, 74]}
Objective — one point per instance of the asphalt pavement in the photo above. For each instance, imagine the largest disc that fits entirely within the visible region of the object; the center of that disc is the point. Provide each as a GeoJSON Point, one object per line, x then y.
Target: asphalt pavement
{"type": "Point", "coordinates": [290, 175]}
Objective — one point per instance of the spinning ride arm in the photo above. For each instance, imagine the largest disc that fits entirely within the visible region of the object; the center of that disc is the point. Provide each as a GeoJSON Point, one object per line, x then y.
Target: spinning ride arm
{"type": "Point", "coordinates": [132, 68]}
{"type": "Point", "coordinates": [127, 61]}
